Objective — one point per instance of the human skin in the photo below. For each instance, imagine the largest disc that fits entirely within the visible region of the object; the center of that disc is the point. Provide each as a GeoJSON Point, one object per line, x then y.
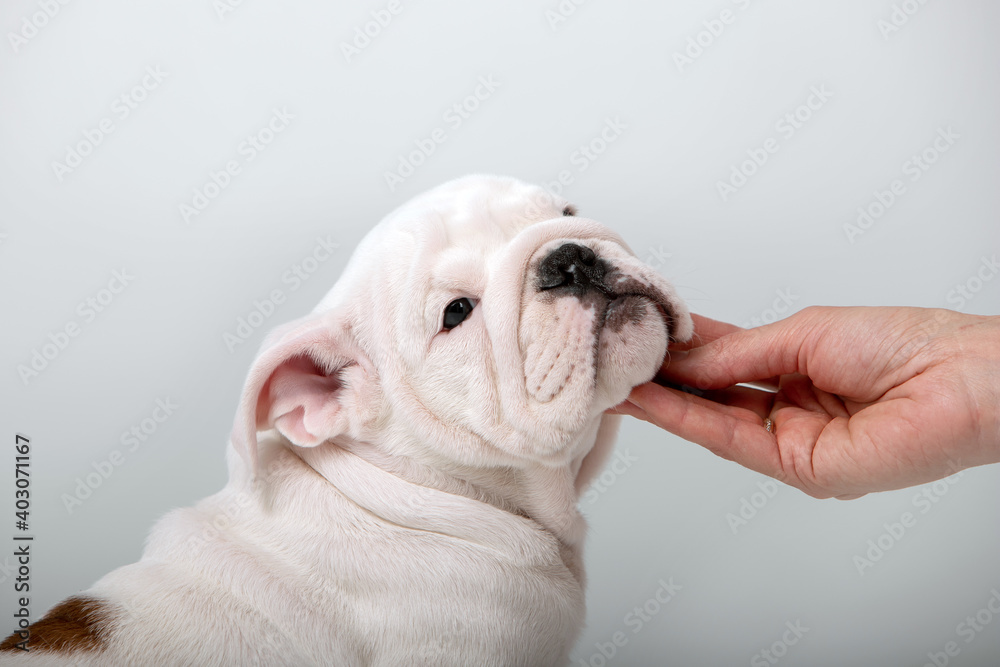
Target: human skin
{"type": "Point", "coordinates": [868, 399]}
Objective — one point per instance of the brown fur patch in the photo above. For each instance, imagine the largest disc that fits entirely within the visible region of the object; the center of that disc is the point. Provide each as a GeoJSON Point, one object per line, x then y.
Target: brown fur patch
{"type": "Point", "coordinates": [75, 624]}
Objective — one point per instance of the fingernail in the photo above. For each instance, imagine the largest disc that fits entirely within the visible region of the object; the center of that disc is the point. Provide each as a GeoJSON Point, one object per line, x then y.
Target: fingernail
{"type": "Point", "coordinates": [676, 356]}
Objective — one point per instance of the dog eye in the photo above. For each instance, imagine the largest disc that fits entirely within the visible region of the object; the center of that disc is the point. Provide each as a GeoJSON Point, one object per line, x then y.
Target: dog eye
{"type": "Point", "coordinates": [569, 211]}
{"type": "Point", "coordinates": [457, 311]}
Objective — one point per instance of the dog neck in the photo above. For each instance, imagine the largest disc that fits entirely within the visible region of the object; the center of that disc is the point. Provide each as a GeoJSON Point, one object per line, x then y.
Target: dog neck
{"type": "Point", "coordinates": [495, 508]}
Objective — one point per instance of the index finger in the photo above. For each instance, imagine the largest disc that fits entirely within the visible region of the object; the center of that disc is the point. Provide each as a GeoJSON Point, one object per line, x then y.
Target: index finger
{"type": "Point", "coordinates": [733, 433]}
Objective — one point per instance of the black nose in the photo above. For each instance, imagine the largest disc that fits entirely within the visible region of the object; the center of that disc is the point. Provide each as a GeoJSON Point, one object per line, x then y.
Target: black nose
{"type": "Point", "coordinates": [572, 267]}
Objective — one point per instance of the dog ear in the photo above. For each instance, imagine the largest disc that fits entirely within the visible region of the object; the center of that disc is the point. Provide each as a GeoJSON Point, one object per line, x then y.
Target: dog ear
{"type": "Point", "coordinates": [304, 382]}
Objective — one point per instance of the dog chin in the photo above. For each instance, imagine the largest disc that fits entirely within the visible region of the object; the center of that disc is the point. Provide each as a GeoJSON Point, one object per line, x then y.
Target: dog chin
{"type": "Point", "coordinates": [631, 346]}
{"type": "Point", "coordinates": [593, 351]}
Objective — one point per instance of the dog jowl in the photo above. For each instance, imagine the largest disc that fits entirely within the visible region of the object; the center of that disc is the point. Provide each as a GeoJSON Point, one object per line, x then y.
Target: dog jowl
{"type": "Point", "coordinates": [406, 460]}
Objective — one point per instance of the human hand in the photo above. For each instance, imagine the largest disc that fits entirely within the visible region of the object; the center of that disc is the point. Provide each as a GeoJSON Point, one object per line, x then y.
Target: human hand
{"type": "Point", "coordinates": [868, 399]}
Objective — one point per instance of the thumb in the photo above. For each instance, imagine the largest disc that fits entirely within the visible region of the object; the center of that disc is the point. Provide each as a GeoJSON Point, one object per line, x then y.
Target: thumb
{"type": "Point", "coordinates": [743, 356]}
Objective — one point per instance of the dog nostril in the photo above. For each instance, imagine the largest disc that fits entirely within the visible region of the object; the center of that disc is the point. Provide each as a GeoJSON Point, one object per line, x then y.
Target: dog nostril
{"type": "Point", "coordinates": [570, 265]}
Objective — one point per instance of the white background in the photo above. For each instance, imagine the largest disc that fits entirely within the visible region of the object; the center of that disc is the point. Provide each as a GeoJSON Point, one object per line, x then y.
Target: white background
{"type": "Point", "coordinates": [686, 126]}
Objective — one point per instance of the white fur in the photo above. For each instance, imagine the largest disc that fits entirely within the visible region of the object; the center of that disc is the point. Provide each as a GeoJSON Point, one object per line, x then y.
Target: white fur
{"type": "Point", "coordinates": [412, 496]}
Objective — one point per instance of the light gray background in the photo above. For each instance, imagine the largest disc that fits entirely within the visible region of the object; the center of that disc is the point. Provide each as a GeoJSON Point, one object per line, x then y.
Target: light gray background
{"type": "Point", "coordinates": [665, 515]}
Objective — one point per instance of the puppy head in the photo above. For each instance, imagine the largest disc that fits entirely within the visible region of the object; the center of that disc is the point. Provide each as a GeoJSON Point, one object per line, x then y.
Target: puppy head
{"type": "Point", "coordinates": [481, 324]}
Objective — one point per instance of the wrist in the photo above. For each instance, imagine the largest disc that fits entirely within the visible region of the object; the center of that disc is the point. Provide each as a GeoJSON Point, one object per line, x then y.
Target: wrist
{"type": "Point", "coordinates": [981, 346]}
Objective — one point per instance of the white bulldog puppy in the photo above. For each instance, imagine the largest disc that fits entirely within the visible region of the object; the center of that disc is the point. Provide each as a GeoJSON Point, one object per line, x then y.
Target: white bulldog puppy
{"type": "Point", "coordinates": [407, 460]}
